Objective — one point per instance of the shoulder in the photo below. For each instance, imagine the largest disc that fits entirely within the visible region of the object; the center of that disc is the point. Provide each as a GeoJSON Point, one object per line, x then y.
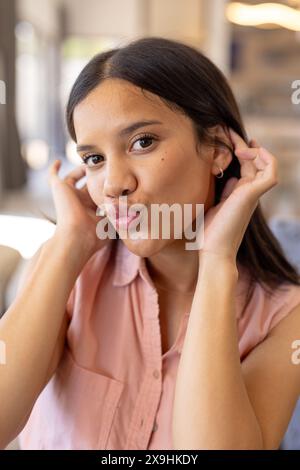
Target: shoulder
{"type": "Point", "coordinates": [286, 300]}
{"type": "Point", "coordinates": [263, 311]}
{"type": "Point", "coordinates": [268, 306]}
{"type": "Point", "coordinates": [270, 370]}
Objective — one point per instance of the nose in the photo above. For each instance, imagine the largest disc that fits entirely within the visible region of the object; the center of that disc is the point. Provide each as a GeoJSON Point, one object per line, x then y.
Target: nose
{"type": "Point", "coordinates": [119, 179]}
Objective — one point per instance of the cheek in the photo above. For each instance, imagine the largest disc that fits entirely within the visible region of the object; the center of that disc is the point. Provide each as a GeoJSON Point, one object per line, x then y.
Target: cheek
{"type": "Point", "coordinates": [164, 175]}
{"type": "Point", "coordinates": [95, 188]}
{"type": "Point", "coordinates": [182, 177]}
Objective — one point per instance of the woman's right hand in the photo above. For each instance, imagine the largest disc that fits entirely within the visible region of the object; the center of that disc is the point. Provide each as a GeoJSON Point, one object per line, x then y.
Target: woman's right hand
{"type": "Point", "coordinates": [75, 210]}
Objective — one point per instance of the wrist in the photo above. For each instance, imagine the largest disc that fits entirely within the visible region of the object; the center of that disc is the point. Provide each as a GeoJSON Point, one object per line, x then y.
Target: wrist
{"type": "Point", "coordinates": [218, 265]}
{"type": "Point", "coordinates": [75, 252]}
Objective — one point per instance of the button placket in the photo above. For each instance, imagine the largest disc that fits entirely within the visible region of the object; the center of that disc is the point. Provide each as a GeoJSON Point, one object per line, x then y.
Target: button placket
{"type": "Point", "coordinates": [154, 384]}
{"type": "Point", "coordinates": [147, 409]}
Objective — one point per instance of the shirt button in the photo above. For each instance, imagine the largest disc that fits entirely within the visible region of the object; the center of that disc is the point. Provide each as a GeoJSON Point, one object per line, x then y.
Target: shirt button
{"type": "Point", "coordinates": [156, 374]}
{"type": "Point", "coordinates": [155, 427]}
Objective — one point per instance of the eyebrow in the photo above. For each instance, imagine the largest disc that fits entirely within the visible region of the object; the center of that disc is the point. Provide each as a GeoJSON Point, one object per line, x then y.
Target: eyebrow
{"type": "Point", "coordinates": [127, 130]}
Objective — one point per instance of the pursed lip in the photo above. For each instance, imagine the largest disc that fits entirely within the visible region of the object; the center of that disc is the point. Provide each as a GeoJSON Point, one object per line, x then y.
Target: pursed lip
{"type": "Point", "coordinates": [123, 212]}
{"type": "Point", "coordinates": [125, 221]}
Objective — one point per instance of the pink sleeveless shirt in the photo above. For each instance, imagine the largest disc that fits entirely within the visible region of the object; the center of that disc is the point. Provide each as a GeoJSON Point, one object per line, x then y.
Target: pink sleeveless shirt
{"type": "Point", "coordinates": [113, 388]}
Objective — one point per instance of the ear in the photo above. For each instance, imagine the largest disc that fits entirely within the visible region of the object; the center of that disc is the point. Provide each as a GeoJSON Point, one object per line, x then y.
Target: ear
{"type": "Point", "coordinates": [222, 156]}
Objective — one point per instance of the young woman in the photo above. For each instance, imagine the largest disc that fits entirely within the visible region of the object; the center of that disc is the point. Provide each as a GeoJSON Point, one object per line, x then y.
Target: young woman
{"type": "Point", "coordinates": [140, 343]}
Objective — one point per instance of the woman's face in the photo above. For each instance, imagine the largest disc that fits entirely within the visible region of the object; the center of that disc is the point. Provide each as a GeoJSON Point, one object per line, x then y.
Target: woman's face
{"type": "Point", "coordinates": [152, 164]}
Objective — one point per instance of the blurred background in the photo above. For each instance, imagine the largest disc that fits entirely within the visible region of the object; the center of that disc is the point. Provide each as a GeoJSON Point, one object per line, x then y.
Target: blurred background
{"type": "Point", "coordinates": [45, 43]}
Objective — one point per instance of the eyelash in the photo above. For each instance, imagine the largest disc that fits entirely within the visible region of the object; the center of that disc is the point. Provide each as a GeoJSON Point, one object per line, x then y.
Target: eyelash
{"type": "Point", "coordinates": [86, 158]}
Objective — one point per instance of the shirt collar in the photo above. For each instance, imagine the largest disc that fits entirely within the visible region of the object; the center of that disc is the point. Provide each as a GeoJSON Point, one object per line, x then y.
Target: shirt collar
{"type": "Point", "coordinates": [127, 265]}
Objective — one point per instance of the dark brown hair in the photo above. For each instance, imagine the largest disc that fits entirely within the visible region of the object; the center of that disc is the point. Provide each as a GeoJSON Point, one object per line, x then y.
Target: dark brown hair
{"type": "Point", "coordinates": [188, 81]}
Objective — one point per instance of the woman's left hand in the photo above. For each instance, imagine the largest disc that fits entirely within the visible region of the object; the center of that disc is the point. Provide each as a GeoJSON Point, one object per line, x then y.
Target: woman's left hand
{"type": "Point", "coordinates": [226, 223]}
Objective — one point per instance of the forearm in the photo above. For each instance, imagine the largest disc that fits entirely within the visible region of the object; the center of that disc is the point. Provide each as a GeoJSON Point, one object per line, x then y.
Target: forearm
{"type": "Point", "coordinates": [211, 406]}
{"type": "Point", "coordinates": [30, 328]}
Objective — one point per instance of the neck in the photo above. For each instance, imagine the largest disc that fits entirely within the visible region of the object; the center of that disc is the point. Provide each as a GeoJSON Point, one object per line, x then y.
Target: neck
{"type": "Point", "coordinates": [174, 268]}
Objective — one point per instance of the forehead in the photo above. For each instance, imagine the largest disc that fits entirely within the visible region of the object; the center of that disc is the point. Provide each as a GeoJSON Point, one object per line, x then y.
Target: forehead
{"type": "Point", "coordinates": [114, 103]}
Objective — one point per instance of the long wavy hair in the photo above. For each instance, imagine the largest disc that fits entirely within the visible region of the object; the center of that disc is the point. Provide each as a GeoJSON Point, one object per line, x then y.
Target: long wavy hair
{"type": "Point", "coordinates": [187, 81]}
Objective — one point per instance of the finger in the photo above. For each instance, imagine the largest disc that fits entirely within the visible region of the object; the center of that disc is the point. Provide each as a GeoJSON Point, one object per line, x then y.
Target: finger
{"type": "Point", "coordinates": [267, 170]}
{"type": "Point", "coordinates": [241, 148]}
{"type": "Point", "coordinates": [247, 159]}
{"type": "Point", "coordinates": [237, 140]}
{"type": "Point", "coordinates": [270, 164]}
{"type": "Point", "coordinates": [53, 171]}
{"type": "Point", "coordinates": [249, 153]}
{"type": "Point", "coordinates": [254, 143]}
{"type": "Point", "coordinates": [75, 175]}
{"type": "Point", "coordinates": [254, 155]}
{"type": "Point", "coordinates": [263, 167]}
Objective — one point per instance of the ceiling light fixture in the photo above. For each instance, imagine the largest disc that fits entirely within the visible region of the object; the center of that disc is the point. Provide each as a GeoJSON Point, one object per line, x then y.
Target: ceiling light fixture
{"type": "Point", "coordinates": [264, 13]}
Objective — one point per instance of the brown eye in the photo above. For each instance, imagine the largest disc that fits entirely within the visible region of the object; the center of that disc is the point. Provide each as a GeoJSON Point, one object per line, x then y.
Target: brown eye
{"type": "Point", "coordinates": [91, 160]}
{"type": "Point", "coordinates": [144, 141]}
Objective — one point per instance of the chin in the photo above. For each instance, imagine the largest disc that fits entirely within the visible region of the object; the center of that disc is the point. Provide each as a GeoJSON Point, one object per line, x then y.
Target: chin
{"type": "Point", "coordinates": [145, 247]}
